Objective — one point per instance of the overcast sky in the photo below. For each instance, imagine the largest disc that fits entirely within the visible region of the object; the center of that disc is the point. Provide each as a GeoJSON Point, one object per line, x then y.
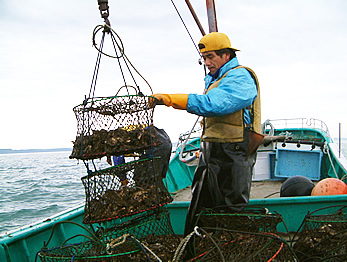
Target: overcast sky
{"type": "Point", "coordinates": [296, 47]}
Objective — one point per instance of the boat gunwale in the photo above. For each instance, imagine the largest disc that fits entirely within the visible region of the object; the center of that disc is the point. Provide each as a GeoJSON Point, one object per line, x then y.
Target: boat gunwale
{"type": "Point", "coordinates": [75, 212]}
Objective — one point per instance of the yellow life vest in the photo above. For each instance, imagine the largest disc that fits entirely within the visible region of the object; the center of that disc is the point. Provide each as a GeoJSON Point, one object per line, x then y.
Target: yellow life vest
{"type": "Point", "coordinates": [230, 128]}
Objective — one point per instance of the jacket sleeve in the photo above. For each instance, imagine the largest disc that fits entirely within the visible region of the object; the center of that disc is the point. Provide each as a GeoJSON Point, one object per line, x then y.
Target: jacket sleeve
{"type": "Point", "coordinates": [235, 91]}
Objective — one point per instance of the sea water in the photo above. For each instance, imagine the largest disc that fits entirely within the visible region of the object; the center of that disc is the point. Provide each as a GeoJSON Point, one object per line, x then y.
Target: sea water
{"type": "Point", "coordinates": [34, 186]}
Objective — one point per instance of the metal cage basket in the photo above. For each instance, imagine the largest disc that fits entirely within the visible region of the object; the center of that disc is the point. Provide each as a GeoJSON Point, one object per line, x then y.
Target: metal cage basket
{"type": "Point", "coordinates": [228, 245]}
{"type": "Point", "coordinates": [250, 220]}
{"type": "Point", "coordinates": [113, 126]}
{"type": "Point", "coordinates": [152, 229]}
{"type": "Point", "coordinates": [145, 237]}
{"type": "Point", "coordinates": [323, 235]}
{"type": "Point", "coordinates": [124, 190]}
{"type": "Point", "coordinates": [91, 251]}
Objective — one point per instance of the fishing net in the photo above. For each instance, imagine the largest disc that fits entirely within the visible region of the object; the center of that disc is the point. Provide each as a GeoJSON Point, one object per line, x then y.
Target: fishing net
{"type": "Point", "coordinates": [251, 219]}
{"type": "Point", "coordinates": [113, 126]}
{"type": "Point", "coordinates": [228, 245]}
{"type": "Point", "coordinates": [124, 190]}
{"type": "Point", "coordinates": [323, 235]}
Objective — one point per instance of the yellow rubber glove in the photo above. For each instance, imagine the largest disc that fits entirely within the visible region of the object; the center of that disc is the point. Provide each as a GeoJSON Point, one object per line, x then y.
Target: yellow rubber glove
{"type": "Point", "coordinates": [177, 101]}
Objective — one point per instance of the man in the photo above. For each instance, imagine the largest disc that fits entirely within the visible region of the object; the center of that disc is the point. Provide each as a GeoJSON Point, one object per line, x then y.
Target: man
{"type": "Point", "coordinates": [230, 107]}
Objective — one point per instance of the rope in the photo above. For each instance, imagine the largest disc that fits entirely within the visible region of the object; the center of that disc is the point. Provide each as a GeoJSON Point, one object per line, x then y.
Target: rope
{"type": "Point", "coordinates": [344, 177]}
{"type": "Point", "coordinates": [120, 240]}
{"type": "Point", "coordinates": [197, 49]}
{"type": "Point", "coordinates": [116, 242]}
{"type": "Point", "coordinates": [181, 247]}
{"type": "Point", "coordinates": [214, 242]}
{"type": "Point", "coordinates": [326, 151]}
{"type": "Point", "coordinates": [186, 140]}
{"type": "Point", "coordinates": [117, 43]}
{"type": "Point", "coordinates": [108, 29]}
{"type": "Point", "coordinates": [93, 236]}
{"type": "Point", "coordinates": [150, 251]}
{"type": "Point", "coordinates": [97, 64]}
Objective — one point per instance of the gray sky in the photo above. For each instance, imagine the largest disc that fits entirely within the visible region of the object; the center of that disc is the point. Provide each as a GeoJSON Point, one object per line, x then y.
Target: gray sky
{"type": "Point", "coordinates": [296, 47]}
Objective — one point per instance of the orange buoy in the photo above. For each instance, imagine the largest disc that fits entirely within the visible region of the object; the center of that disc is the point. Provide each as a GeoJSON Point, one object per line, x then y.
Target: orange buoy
{"type": "Point", "coordinates": [329, 186]}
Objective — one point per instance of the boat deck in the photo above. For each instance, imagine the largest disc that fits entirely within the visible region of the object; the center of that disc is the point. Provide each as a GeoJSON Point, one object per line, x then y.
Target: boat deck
{"type": "Point", "coordinates": [260, 189]}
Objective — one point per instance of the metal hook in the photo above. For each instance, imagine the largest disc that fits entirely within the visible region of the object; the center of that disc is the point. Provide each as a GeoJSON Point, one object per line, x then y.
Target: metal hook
{"type": "Point", "coordinates": [104, 10]}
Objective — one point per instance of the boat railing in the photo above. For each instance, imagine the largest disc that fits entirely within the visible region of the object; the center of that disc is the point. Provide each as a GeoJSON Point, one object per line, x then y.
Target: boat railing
{"type": "Point", "coordinates": [195, 132]}
{"type": "Point", "coordinates": [189, 135]}
{"type": "Point", "coordinates": [297, 123]}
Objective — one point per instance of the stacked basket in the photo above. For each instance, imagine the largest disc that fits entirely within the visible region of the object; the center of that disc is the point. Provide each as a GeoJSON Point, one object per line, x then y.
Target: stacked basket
{"type": "Point", "coordinates": [114, 126]}
{"type": "Point", "coordinates": [125, 201]}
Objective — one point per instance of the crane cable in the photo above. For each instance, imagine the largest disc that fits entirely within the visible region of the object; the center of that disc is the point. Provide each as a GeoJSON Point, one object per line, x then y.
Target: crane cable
{"type": "Point", "coordinates": [200, 62]}
{"type": "Point", "coordinates": [108, 29]}
{"type": "Point", "coordinates": [117, 44]}
{"type": "Point", "coordinates": [197, 49]}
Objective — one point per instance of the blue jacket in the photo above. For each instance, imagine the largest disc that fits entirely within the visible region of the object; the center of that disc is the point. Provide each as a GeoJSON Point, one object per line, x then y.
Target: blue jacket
{"type": "Point", "coordinates": [235, 91]}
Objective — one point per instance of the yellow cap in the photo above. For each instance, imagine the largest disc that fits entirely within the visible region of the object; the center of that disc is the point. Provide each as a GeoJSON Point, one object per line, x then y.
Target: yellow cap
{"type": "Point", "coordinates": [215, 41]}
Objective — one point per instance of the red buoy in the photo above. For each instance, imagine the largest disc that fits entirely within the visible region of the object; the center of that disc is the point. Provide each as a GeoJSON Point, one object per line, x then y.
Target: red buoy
{"type": "Point", "coordinates": [329, 186]}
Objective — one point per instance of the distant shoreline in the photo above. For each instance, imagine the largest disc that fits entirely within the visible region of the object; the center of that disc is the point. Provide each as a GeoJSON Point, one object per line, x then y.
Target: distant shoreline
{"type": "Point", "coordinates": [12, 151]}
{"type": "Point", "coordinates": [15, 151]}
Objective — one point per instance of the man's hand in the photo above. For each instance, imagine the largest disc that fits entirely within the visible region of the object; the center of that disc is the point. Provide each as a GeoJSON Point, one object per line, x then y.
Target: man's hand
{"type": "Point", "coordinates": [177, 101]}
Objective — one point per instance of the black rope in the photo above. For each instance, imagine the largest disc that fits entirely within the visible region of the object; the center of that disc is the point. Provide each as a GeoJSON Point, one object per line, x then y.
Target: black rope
{"type": "Point", "coordinates": [97, 64]}
{"type": "Point", "coordinates": [197, 49]}
{"type": "Point", "coordinates": [125, 62]}
{"type": "Point", "coordinates": [108, 29]}
{"type": "Point", "coordinates": [117, 43]}
{"type": "Point", "coordinates": [118, 57]}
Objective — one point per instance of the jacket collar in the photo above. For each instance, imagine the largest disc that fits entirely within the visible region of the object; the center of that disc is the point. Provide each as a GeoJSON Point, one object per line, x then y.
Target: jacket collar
{"type": "Point", "coordinates": [222, 70]}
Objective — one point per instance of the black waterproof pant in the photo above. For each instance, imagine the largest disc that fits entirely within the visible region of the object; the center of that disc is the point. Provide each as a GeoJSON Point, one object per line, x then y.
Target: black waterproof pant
{"type": "Point", "coordinates": [223, 178]}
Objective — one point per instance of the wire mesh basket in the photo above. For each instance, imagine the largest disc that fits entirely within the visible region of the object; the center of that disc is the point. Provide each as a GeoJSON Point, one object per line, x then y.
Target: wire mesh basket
{"type": "Point", "coordinates": [91, 251]}
{"type": "Point", "coordinates": [112, 126]}
{"type": "Point", "coordinates": [124, 190]}
{"type": "Point", "coordinates": [250, 219]}
{"type": "Point", "coordinates": [145, 237]}
{"type": "Point", "coordinates": [227, 245]}
{"type": "Point", "coordinates": [248, 235]}
{"type": "Point", "coordinates": [152, 229]}
{"type": "Point", "coordinates": [322, 235]}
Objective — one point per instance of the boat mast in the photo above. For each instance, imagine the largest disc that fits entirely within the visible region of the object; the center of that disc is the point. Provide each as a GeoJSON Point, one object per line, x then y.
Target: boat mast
{"type": "Point", "coordinates": [211, 15]}
{"type": "Point", "coordinates": [191, 9]}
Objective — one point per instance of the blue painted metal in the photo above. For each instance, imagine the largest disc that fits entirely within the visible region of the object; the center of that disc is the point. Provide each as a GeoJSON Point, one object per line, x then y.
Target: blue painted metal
{"type": "Point", "coordinates": [292, 209]}
{"type": "Point", "coordinates": [23, 244]}
{"type": "Point", "coordinates": [291, 163]}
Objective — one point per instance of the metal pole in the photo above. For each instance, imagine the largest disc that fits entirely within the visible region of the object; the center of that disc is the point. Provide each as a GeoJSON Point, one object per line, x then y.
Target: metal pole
{"type": "Point", "coordinates": [191, 9]}
{"type": "Point", "coordinates": [339, 140]}
{"type": "Point", "coordinates": [211, 15]}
